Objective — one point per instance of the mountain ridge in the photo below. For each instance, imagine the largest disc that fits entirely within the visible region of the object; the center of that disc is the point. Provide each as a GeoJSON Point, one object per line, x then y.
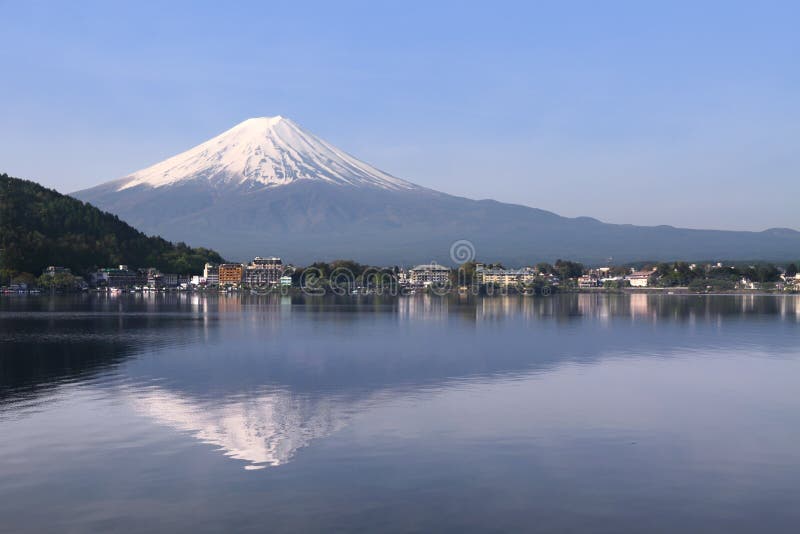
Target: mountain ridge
{"type": "Point", "coordinates": [41, 227]}
{"type": "Point", "coordinates": [329, 205]}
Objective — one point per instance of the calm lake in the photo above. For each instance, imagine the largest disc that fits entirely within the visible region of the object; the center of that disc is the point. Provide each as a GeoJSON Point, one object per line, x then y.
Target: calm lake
{"type": "Point", "coordinates": [620, 413]}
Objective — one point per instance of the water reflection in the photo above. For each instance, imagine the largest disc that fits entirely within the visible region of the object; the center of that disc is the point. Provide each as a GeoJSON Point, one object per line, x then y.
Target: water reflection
{"type": "Point", "coordinates": [260, 377]}
{"type": "Point", "coordinates": [264, 429]}
{"type": "Point", "coordinates": [572, 413]}
{"type": "Point", "coordinates": [683, 308]}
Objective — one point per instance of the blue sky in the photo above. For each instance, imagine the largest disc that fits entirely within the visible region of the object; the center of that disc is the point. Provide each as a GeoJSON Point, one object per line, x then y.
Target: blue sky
{"type": "Point", "coordinates": [682, 113]}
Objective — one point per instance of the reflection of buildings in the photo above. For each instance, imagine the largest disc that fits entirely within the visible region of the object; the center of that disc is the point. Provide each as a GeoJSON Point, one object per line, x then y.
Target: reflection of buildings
{"type": "Point", "coordinates": [423, 307]}
{"type": "Point", "coordinates": [789, 305]}
{"type": "Point", "coordinates": [593, 305]}
{"type": "Point", "coordinates": [640, 305]}
{"type": "Point", "coordinates": [264, 430]}
{"type": "Point", "coordinates": [510, 306]}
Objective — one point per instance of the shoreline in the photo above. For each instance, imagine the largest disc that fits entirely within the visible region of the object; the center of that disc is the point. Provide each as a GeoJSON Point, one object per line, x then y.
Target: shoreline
{"type": "Point", "coordinates": [296, 292]}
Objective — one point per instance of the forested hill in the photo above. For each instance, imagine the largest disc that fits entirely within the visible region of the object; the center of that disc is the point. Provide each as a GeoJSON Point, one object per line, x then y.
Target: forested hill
{"type": "Point", "coordinates": [41, 227]}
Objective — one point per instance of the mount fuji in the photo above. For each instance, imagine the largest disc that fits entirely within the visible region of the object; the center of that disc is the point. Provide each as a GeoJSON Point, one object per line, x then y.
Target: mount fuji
{"type": "Point", "coordinates": [269, 187]}
{"type": "Point", "coordinates": [263, 152]}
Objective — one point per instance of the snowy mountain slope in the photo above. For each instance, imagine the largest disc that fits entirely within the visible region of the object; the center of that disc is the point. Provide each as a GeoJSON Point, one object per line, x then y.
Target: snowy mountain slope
{"type": "Point", "coordinates": [266, 151]}
{"type": "Point", "coordinates": [267, 187]}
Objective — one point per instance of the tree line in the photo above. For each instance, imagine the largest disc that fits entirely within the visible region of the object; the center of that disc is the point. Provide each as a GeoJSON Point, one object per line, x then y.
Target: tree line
{"type": "Point", "coordinates": [41, 227]}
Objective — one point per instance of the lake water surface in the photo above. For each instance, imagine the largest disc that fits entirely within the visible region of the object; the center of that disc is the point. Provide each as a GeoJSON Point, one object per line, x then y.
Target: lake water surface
{"type": "Point", "coordinates": [620, 413]}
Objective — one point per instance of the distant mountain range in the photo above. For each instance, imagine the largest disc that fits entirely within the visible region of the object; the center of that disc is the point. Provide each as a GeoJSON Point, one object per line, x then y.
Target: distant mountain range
{"type": "Point", "coordinates": [266, 186]}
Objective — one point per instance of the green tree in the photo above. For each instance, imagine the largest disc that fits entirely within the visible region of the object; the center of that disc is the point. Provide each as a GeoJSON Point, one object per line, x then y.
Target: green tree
{"type": "Point", "coordinates": [59, 282]}
{"type": "Point", "coordinates": [568, 269]}
{"type": "Point", "coordinates": [24, 278]}
{"type": "Point", "coordinates": [466, 274]}
{"type": "Point", "coordinates": [41, 227]}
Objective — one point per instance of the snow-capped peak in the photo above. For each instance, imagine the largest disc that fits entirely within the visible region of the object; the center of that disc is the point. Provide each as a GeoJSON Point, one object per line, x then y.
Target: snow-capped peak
{"type": "Point", "coordinates": [264, 151]}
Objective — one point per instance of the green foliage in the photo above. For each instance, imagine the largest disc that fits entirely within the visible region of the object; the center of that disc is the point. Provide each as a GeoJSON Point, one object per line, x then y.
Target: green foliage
{"type": "Point", "coordinates": [618, 270]}
{"type": "Point", "coordinates": [349, 266]}
{"type": "Point", "coordinates": [731, 274]}
{"type": "Point", "coordinates": [540, 286]}
{"type": "Point", "coordinates": [41, 227]}
{"type": "Point", "coordinates": [711, 284]}
{"type": "Point", "coordinates": [762, 273]}
{"type": "Point", "coordinates": [24, 278]}
{"type": "Point", "coordinates": [676, 274]}
{"type": "Point", "coordinates": [791, 270]}
{"type": "Point", "coordinates": [568, 269]}
{"type": "Point", "coordinates": [464, 275]}
{"type": "Point", "coordinates": [59, 281]}
{"type": "Point", "coordinates": [342, 274]}
{"type": "Point", "coordinates": [714, 278]}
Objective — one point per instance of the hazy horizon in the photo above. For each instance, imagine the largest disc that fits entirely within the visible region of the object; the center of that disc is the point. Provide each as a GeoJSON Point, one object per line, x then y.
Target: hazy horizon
{"type": "Point", "coordinates": [684, 116]}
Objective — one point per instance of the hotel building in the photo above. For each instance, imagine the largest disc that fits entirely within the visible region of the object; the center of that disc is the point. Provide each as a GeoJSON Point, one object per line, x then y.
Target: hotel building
{"type": "Point", "coordinates": [428, 274]}
{"type": "Point", "coordinates": [230, 274]}
{"type": "Point", "coordinates": [263, 271]}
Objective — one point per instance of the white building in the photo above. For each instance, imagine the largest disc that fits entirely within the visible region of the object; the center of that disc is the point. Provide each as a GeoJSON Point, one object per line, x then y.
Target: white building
{"type": "Point", "coordinates": [263, 271]}
{"type": "Point", "coordinates": [211, 274]}
{"type": "Point", "coordinates": [796, 282]}
{"type": "Point", "coordinates": [746, 283]}
{"type": "Point", "coordinates": [505, 277]}
{"type": "Point", "coordinates": [586, 281]}
{"type": "Point", "coordinates": [640, 278]}
{"type": "Point", "coordinates": [428, 274]}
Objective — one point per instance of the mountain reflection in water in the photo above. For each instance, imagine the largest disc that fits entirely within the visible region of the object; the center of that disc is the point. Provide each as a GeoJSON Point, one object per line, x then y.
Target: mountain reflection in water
{"type": "Point", "coordinates": [568, 413]}
{"type": "Point", "coordinates": [261, 377]}
{"type": "Point", "coordinates": [264, 430]}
